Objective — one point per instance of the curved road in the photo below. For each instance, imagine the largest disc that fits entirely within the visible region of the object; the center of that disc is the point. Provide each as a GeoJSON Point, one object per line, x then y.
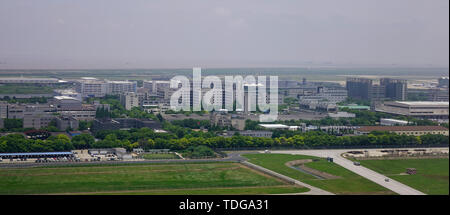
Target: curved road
{"type": "Point", "coordinates": [378, 178]}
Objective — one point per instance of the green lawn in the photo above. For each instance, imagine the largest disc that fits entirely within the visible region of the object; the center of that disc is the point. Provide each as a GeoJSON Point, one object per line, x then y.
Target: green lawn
{"type": "Point", "coordinates": [24, 89]}
{"type": "Point", "coordinates": [218, 191]}
{"type": "Point", "coordinates": [349, 183]}
{"type": "Point", "coordinates": [160, 156]}
{"type": "Point", "coordinates": [431, 177]}
{"type": "Point", "coordinates": [220, 178]}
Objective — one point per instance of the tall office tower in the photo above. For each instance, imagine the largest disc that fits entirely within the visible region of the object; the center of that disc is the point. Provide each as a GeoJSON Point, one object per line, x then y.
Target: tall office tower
{"type": "Point", "coordinates": [394, 88]}
{"type": "Point", "coordinates": [359, 88]}
{"type": "Point", "coordinates": [378, 92]}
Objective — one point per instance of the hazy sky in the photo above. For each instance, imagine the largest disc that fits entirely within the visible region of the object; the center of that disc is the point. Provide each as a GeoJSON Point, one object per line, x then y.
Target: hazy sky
{"type": "Point", "coordinates": [70, 34]}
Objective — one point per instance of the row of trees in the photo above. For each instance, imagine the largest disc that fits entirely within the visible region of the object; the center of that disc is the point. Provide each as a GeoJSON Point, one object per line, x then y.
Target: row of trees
{"type": "Point", "coordinates": [147, 139]}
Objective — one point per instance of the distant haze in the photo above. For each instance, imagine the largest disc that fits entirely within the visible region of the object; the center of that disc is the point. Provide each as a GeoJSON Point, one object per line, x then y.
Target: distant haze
{"type": "Point", "coordinates": [115, 34]}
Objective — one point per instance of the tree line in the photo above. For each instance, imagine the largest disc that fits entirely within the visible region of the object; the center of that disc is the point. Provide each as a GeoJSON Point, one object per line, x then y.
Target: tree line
{"type": "Point", "coordinates": [148, 139]}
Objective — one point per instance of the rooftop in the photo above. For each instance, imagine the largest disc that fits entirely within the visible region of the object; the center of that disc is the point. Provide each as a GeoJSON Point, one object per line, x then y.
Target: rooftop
{"type": "Point", "coordinates": [121, 82]}
{"type": "Point", "coordinates": [273, 126]}
{"type": "Point", "coordinates": [394, 120]}
{"type": "Point", "coordinates": [420, 103]}
{"type": "Point", "coordinates": [64, 97]}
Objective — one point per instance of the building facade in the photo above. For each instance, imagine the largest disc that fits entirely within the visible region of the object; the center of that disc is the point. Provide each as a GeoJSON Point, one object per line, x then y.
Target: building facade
{"type": "Point", "coordinates": [129, 100]}
{"type": "Point", "coordinates": [426, 110]}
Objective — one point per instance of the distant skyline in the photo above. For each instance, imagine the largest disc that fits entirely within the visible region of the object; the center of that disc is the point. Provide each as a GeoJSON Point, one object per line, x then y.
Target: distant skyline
{"type": "Point", "coordinates": [119, 34]}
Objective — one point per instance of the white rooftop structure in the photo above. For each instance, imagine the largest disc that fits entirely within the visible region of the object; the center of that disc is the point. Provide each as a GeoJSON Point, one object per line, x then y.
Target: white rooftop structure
{"type": "Point", "coordinates": [392, 122]}
{"type": "Point", "coordinates": [88, 78]}
{"type": "Point", "coordinates": [423, 103]}
{"type": "Point", "coordinates": [64, 97]}
{"type": "Point", "coordinates": [274, 126]}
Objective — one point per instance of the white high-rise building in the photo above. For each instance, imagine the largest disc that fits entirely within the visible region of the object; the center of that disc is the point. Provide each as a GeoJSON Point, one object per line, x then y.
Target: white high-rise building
{"type": "Point", "coordinates": [119, 87]}
{"type": "Point", "coordinates": [91, 87]}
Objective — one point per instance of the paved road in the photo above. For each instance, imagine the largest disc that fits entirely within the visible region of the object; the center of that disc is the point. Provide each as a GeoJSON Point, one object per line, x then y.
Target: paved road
{"type": "Point", "coordinates": [312, 190]}
{"type": "Point", "coordinates": [378, 178]}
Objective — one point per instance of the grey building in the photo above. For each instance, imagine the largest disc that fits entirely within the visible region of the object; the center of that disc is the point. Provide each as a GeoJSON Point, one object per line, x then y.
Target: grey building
{"type": "Point", "coordinates": [37, 119]}
{"type": "Point", "coordinates": [396, 89]}
{"type": "Point", "coordinates": [65, 122]}
{"type": "Point", "coordinates": [67, 103]}
{"type": "Point", "coordinates": [359, 88]}
{"type": "Point", "coordinates": [124, 123]}
{"type": "Point", "coordinates": [364, 89]}
{"type": "Point", "coordinates": [3, 109]}
{"type": "Point", "coordinates": [267, 134]}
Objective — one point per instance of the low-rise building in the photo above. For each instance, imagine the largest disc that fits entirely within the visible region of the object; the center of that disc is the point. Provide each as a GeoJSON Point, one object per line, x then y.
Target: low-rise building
{"type": "Point", "coordinates": [406, 130]}
{"type": "Point", "coordinates": [37, 120]}
{"type": "Point", "coordinates": [69, 93]}
{"type": "Point", "coordinates": [354, 107]}
{"type": "Point", "coordinates": [342, 115]}
{"type": "Point", "coordinates": [280, 127]}
{"type": "Point", "coordinates": [427, 110]}
{"type": "Point", "coordinates": [66, 122]}
{"type": "Point", "coordinates": [267, 134]}
{"type": "Point", "coordinates": [124, 123]}
{"type": "Point", "coordinates": [67, 103]}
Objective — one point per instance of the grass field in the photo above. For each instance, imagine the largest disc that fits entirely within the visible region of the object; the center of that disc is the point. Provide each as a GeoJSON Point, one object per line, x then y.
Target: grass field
{"type": "Point", "coordinates": [348, 183]}
{"type": "Point", "coordinates": [431, 177]}
{"type": "Point", "coordinates": [206, 178]}
{"type": "Point", "coordinates": [160, 156]}
{"type": "Point", "coordinates": [24, 89]}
